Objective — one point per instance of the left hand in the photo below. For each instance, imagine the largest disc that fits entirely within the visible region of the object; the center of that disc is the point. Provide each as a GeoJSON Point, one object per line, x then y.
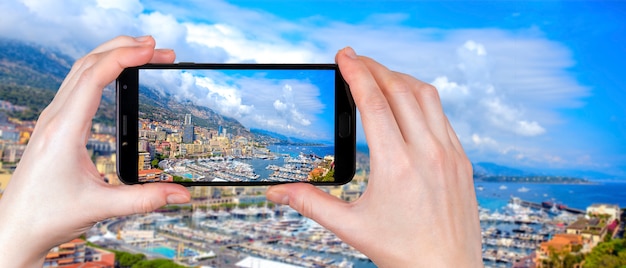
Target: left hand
{"type": "Point", "coordinates": [56, 193]}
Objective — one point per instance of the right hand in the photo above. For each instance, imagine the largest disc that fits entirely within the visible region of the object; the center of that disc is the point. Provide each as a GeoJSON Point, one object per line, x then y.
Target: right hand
{"type": "Point", "coordinates": [420, 208]}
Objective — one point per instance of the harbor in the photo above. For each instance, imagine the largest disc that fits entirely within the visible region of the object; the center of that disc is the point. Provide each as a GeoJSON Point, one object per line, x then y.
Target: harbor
{"type": "Point", "coordinates": [278, 168]}
{"type": "Point", "coordinates": [226, 237]}
{"type": "Point", "coordinates": [516, 231]}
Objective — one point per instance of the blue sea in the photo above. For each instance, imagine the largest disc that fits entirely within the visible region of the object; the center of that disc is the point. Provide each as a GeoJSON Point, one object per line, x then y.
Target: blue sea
{"type": "Point", "coordinates": [295, 150]}
{"type": "Point", "coordinates": [495, 195]}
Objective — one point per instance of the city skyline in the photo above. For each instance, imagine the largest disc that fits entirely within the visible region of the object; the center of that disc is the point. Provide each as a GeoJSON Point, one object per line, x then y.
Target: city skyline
{"type": "Point", "coordinates": [526, 84]}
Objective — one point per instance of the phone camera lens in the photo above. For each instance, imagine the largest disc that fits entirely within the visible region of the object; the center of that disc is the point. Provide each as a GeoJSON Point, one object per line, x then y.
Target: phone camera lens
{"type": "Point", "coordinates": [124, 86]}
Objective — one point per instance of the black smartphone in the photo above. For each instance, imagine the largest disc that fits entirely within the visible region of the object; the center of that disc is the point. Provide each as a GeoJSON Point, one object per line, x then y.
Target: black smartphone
{"type": "Point", "coordinates": [235, 124]}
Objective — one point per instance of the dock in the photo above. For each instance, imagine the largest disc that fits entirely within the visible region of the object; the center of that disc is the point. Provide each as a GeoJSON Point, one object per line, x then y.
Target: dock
{"type": "Point", "coordinates": [546, 206]}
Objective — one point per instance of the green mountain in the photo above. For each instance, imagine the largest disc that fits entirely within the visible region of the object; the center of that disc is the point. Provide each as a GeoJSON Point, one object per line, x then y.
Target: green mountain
{"type": "Point", "coordinates": [31, 74]}
{"type": "Point", "coordinates": [158, 106]}
{"type": "Point", "coordinates": [26, 64]}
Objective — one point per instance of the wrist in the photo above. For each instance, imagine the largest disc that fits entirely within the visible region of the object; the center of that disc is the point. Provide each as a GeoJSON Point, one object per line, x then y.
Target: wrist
{"type": "Point", "coordinates": [19, 245]}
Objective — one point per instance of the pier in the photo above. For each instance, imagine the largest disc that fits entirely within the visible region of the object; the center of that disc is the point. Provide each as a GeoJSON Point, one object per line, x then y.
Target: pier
{"type": "Point", "coordinates": [546, 206]}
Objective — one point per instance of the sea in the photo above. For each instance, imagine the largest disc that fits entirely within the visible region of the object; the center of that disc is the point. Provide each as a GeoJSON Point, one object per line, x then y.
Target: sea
{"type": "Point", "coordinates": [259, 165]}
{"type": "Point", "coordinates": [495, 195]}
{"type": "Point", "coordinates": [295, 150]}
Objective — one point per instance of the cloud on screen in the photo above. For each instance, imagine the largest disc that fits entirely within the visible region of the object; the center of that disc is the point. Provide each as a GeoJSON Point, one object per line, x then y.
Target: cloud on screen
{"type": "Point", "coordinates": [287, 106]}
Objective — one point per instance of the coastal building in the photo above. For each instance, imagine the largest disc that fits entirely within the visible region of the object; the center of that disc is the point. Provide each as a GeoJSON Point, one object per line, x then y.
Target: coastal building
{"type": "Point", "coordinates": [77, 254]}
{"type": "Point", "coordinates": [153, 175]}
{"type": "Point", "coordinates": [5, 177]}
{"type": "Point", "coordinates": [613, 211]}
{"type": "Point", "coordinates": [101, 143]}
{"type": "Point", "coordinates": [13, 153]}
{"type": "Point", "coordinates": [187, 119]}
{"type": "Point", "coordinates": [592, 230]}
{"type": "Point", "coordinates": [220, 201]}
{"type": "Point", "coordinates": [188, 135]}
{"type": "Point", "coordinates": [144, 161]}
{"type": "Point", "coordinates": [558, 243]}
{"type": "Point", "coordinates": [106, 164]}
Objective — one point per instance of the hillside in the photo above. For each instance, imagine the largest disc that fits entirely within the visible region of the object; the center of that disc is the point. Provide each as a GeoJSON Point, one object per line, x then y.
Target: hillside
{"type": "Point", "coordinates": [31, 74]}
{"type": "Point", "coordinates": [30, 65]}
{"type": "Point", "coordinates": [164, 107]}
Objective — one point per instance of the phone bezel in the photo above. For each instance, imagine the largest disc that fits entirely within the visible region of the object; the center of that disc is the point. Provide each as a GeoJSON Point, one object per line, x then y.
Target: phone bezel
{"type": "Point", "coordinates": [127, 96]}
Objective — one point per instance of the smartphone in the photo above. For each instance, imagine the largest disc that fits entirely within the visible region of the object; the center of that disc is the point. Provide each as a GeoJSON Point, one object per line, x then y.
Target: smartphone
{"type": "Point", "coordinates": [235, 124]}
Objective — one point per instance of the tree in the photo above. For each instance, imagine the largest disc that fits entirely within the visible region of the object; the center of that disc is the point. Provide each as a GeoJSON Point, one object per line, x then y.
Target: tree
{"type": "Point", "coordinates": [181, 179]}
{"type": "Point", "coordinates": [126, 259]}
{"type": "Point", "coordinates": [607, 254]}
{"type": "Point", "coordinates": [158, 263]}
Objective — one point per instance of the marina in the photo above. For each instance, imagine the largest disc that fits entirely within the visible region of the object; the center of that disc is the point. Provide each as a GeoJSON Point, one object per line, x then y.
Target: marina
{"type": "Point", "coordinates": [205, 237]}
{"type": "Point", "coordinates": [283, 168]}
{"type": "Point", "coordinates": [515, 232]}
{"type": "Point", "coordinates": [512, 231]}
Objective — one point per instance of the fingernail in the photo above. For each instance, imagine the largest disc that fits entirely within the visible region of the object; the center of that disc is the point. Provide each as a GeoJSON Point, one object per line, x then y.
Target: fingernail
{"type": "Point", "coordinates": [177, 199]}
{"type": "Point", "coordinates": [350, 53]}
{"type": "Point", "coordinates": [142, 39]}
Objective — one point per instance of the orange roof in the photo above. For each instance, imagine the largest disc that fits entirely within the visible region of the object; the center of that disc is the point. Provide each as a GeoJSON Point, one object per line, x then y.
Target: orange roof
{"type": "Point", "coordinates": [560, 241]}
{"type": "Point", "coordinates": [66, 261]}
{"type": "Point", "coordinates": [52, 255]}
{"type": "Point", "coordinates": [97, 264]}
{"type": "Point", "coordinates": [77, 241]}
{"type": "Point", "coordinates": [150, 171]}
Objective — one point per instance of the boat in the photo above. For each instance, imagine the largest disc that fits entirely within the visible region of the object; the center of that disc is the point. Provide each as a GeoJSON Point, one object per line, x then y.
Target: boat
{"type": "Point", "coordinates": [523, 190]}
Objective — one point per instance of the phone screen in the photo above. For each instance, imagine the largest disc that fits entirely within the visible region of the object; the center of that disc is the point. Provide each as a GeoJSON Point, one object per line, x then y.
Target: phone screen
{"type": "Point", "coordinates": [236, 125]}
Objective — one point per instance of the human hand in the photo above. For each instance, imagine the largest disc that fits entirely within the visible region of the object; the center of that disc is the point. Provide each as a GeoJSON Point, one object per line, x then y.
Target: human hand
{"type": "Point", "coordinates": [420, 208]}
{"type": "Point", "coordinates": [56, 193]}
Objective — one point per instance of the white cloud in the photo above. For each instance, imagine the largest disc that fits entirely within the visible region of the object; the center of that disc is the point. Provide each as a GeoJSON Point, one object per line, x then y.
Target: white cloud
{"type": "Point", "coordinates": [238, 45]}
{"type": "Point", "coordinates": [500, 85]}
{"type": "Point", "coordinates": [480, 141]}
{"type": "Point", "coordinates": [472, 46]}
{"type": "Point", "coordinates": [130, 6]}
{"type": "Point", "coordinates": [285, 106]}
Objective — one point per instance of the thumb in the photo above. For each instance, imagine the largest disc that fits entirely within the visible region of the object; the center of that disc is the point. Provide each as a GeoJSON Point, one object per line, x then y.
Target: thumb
{"type": "Point", "coordinates": [143, 198]}
{"type": "Point", "coordinates": [313, 203]}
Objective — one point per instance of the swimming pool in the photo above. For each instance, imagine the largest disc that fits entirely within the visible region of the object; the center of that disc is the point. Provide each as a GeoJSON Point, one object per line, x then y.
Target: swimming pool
{"type": "Point", "coordinates": [167, 252]}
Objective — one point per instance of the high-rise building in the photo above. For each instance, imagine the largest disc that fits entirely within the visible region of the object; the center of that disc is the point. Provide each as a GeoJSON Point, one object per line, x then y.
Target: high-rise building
{"type": "Point", "coordinates": [187, 119]}
{"type": "Point", "coordinates": [144, 161]}
{"type": "Point", "coordinates": [188, 134]}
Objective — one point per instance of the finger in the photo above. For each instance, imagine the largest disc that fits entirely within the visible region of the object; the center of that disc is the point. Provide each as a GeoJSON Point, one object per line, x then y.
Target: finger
{"type": "Point", "coordinates": [430, 103]}
{"type": "Point", "coordinates": [456, 143]}
{"type": "Point", "coordinates": [313, 203]}
{"type": "Point", "coordinates": [376, 114]}
{"type": "Point", "coordinates": [123, 41]}
{"type": "Point", "coordinates": [86, 62]}
{"type": "Point", "coordinates": [139, 198]}
{"type": "Point", "coordinates": [163, 56]}
{"type": "Point", "coordinates": [120, 41]}
{"type": "Point", "coordinates": [83, 99]}
{"type": "Point", "coordinates": [399, 93]}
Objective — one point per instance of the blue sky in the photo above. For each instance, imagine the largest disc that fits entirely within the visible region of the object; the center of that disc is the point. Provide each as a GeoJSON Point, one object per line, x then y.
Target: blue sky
{"type": "Point", "coordinates": [530, 84]}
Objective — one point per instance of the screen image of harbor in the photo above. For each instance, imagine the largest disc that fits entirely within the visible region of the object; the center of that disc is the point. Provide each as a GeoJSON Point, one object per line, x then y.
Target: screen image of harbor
{"type": "Point", "coordinates": [236, 125]}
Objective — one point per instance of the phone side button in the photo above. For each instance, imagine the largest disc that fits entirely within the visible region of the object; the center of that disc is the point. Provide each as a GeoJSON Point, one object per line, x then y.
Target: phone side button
{"type": "Point", "coordinates": [344, 125]}
{"type": "Point", "coordinates": [124, 125]}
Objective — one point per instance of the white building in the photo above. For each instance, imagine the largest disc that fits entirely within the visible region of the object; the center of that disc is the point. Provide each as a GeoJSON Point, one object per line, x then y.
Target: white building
{"type": "Point", "coordinates": [612, 210]}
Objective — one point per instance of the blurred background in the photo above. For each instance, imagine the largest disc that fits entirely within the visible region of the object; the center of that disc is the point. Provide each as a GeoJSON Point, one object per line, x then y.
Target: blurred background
{"type": "Point", "coordinates": [535, 91]}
